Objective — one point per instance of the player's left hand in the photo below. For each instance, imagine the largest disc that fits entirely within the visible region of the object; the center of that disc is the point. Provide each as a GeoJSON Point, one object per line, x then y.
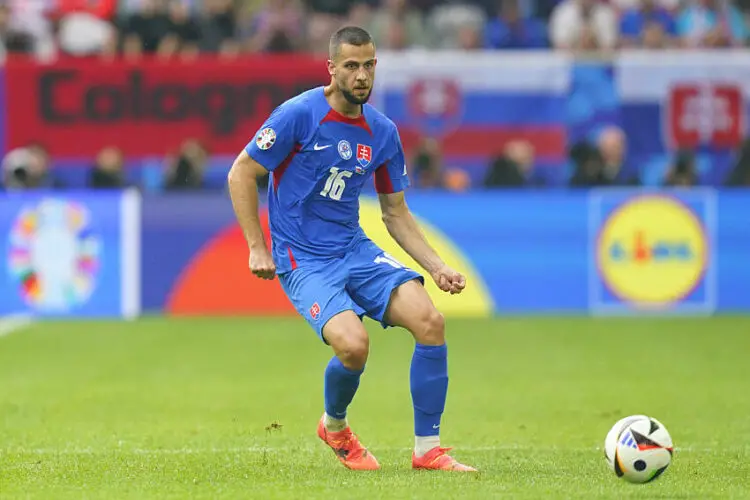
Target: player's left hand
{"type": "Point", "coordinates": [449, 280]}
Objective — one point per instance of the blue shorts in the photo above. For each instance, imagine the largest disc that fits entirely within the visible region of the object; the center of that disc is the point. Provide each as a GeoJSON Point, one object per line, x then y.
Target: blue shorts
{"type": "Point", "coordinates": [361, 281]}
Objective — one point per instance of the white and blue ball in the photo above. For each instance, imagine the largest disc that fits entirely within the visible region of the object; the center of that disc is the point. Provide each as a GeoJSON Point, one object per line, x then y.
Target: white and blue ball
{"type": "Point", "coordinates": [638, 449]}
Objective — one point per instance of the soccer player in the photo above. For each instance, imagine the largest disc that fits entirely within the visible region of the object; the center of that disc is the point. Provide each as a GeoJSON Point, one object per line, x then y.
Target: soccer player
{"type": "Point", "coordinates": [320, 148]}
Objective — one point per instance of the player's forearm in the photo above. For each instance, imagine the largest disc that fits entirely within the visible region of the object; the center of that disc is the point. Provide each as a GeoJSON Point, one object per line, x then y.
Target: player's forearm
{"type": "Point", "coordinates": [243, 190]}
{"type": "Point", "coordinates": [404, 229]}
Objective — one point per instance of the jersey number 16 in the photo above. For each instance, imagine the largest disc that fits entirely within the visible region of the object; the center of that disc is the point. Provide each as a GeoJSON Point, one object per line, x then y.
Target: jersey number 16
{"type": "Point", "coordinates": [335, 184]}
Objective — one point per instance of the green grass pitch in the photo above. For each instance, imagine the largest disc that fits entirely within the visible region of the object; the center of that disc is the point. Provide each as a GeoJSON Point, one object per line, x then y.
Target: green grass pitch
{"type": "Point", "coordinates": [227, 408]}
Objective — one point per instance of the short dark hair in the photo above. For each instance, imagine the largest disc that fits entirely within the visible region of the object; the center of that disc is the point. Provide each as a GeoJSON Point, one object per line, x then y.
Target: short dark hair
{"type": "Point", "coordinates": [350, 35]}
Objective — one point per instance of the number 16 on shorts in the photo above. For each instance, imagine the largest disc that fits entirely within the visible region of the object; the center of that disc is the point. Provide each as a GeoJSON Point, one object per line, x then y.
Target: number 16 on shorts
{"type": "Point", "coordinates": [387, 258]}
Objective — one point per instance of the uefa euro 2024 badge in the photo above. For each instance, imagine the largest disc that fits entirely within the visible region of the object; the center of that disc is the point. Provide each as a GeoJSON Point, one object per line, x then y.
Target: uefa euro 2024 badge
{"type": "Point", "coordinates": [54, 255]}
{"type": "Point", "coordinates": [266, 138]}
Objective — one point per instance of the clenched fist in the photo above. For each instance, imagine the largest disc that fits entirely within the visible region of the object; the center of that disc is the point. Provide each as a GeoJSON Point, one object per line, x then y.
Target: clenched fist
{"type": "Point", "coordinates": [261, 263]}
{"type": "Point", "coordinates": [449, 280]}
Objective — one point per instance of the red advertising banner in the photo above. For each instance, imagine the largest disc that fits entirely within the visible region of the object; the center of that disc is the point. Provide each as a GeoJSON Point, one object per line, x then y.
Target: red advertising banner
{"type": "Point", "coordinates": [78, 107]}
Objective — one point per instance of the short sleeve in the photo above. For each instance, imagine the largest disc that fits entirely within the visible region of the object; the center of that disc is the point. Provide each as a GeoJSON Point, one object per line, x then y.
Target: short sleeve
{"type": "Point", "coordinates": [277, 137]}
{"type": "Point", "coordinates": [391, 176]}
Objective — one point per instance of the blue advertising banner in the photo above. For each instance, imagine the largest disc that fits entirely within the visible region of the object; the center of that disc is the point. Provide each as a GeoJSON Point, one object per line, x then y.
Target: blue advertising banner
{"type": "Point", "coordinates": [69, 254]}
{"type": "Point", "coordinates": [523, 252]}
{"type": "Point", "coordinates": [603, 252]}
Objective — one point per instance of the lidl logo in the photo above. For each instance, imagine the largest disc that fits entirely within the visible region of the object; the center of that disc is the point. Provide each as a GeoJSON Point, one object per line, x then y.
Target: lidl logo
{"type": "Point", "coordinates": [652, 251]}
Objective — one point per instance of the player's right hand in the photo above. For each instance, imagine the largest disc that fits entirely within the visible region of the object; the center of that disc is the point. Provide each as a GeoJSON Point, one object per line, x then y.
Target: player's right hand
{"type": "Point", "coordinates": [261, 263]}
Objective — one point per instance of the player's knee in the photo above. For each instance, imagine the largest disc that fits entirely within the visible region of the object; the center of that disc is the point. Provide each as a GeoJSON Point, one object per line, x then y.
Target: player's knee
{"type": "Point", "coordinates": [431, 329]}
{"type": "Point", "coordinates": [353, 351]}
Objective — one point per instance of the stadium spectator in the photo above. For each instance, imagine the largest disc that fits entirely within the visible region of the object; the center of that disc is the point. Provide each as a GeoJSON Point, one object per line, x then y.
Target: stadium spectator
{"type": "Point", "coordinates": [27, 168]}
{"type": "Point", "coordinates": [276, 27]}
{"type": "Point", "coordinates": [513, 168]}
{"type": "Point", "coordinates": [740, 175]}
{"type": "Point", "coordinates": [588, 166]}
{"type": "Point", "coordinates": [397, 25]}
{"type": "Point", "coordinates": [4, 30]}
{"type": "Point", "coordinates": [612, 144]}
{"type": "Point", "coordinates": [16, 166]}
{"type": "Point", "coordinates": [511, 29]}
{"type": "Point", "coordinates": [146, 28]}
{"type": "Point", "coordinates": [360, 14]}
{"type": "Point", "coordinates": [186, 170]}
{"type": "Point", "coordinates": [683, 171]}
{"type": "Point", "coordinates": [647, 25]}
{"type": "Point", "coordinates": [712, 23]}
{"type": "Point", "coordinates": [428, 164]}
{"type": "Point", "coordinates": [455, 24]}
{"type": "Point", "coordinates": [469, 37]}
{"type": "Point", "coordinates": [29, 30]}
{"type": "Point", "coordinates": [107, 171]}
{"type": "Point", "coordinates": [429, 172]}
{"type": "Point", "coordinates": [183, 33]}
{"type": "Point", "coordinates": [542, 9]}
{"type": "Point", "coordinates": [583, 25]}
{"type": "Point", "coordinates": [325, 17]}
{"type": "Point", "coordinates": [217, 27]}
{"type": "Point", "coordinates": [85, 27]}
{"type": "Point", "coordinates": [395, 35]}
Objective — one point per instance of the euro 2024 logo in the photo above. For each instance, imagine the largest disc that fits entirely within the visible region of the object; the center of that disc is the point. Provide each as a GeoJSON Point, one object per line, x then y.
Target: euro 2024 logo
{"type": "Point", "coordinates": [54, 255]}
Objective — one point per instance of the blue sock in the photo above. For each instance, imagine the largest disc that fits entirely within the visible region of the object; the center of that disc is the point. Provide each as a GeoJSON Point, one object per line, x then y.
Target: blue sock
{"type": "Point", "coordinates": [340, 385]}
{"type": "Point", "coordinates": [429, 387]}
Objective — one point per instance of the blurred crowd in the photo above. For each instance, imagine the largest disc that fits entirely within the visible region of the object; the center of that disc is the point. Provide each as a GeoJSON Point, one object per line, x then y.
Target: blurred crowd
{"type": "Point", "coordinates": [32, 167]}
{"type": "Point", "coordinates": [599, 163]}
{"type": "Point", "coordinates": [602, 163]}
{"type": "Point", "coordinates": [185, 28]}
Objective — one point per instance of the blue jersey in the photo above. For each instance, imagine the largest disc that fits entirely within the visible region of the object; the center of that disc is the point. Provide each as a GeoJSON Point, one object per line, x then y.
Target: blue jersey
{"type": "Point", "coordinates": [320, 161]}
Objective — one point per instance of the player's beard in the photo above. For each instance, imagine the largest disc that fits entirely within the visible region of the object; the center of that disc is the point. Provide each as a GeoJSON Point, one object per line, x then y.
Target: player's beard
{"type": "Point", "coordinates": [349, 96]}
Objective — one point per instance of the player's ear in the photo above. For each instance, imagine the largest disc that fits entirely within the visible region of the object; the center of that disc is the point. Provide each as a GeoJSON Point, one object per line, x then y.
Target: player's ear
{"type": "Point", "coordinates": [331, 68]}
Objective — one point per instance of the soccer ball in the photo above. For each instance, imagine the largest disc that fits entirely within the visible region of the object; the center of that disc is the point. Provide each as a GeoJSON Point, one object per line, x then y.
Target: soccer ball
{"type": "Point", "coordinates": [638, 448]}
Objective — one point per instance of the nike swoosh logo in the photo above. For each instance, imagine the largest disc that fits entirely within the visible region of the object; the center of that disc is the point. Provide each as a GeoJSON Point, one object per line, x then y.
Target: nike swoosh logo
{"type": "Point", "coordinates": [318, 148]}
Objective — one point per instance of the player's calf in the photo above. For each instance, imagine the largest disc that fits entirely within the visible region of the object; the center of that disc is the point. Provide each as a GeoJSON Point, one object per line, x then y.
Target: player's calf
{"type": "Point", "coordinates": [351, 344]}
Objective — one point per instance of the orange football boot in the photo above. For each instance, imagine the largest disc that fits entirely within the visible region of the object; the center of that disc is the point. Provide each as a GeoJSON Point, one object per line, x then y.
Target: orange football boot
{"type": "Point", "coordinates": [347, 448]}
{"type": "Point", "coordinates": [438, 459]}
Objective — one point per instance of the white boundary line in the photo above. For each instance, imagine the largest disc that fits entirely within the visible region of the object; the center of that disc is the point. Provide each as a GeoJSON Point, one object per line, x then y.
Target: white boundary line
{"type": "Point", "coordinates": [286, 449]}
{"type": "Point", "coordinates": [13, 323]}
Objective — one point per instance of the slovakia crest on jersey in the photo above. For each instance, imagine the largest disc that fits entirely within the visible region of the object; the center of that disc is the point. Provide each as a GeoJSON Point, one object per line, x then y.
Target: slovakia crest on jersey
{"type": "Point", "coordinates": [315, 311]}
{"type": "Point", "coordinates": [364, 154]}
